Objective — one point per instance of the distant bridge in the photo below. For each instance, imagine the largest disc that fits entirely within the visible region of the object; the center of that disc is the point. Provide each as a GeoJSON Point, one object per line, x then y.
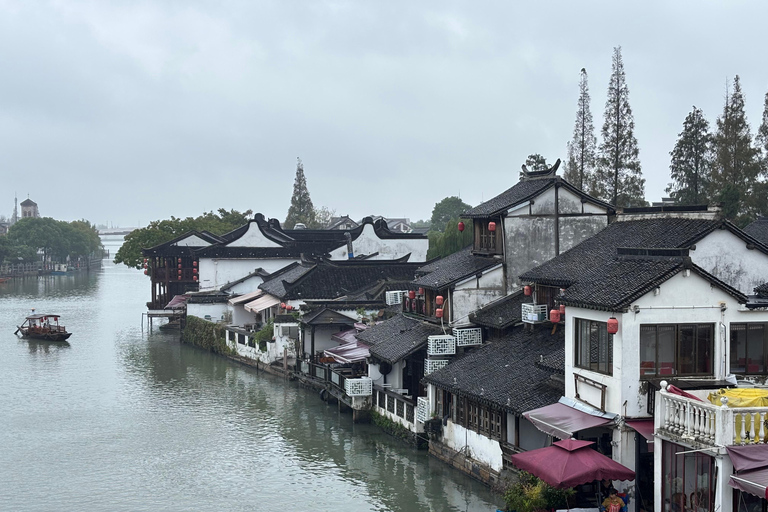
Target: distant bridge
{"type": "Point", "coordinates": [115, 231]}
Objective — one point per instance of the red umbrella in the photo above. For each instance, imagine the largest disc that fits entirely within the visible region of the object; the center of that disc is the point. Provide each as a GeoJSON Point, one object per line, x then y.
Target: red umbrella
{"type": "Point", "coordinates": [569, 463]}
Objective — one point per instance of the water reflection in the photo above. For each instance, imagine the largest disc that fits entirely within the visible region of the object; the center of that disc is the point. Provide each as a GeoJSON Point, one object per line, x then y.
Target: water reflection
{"type": "Point", "coordinates": [45, 347]}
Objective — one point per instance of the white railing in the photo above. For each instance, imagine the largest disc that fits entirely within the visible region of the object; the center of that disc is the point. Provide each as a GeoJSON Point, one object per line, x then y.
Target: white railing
{"type": "Point", "coordinates": [358, 387]}
{"type": "Point", "coordinates": [534, 313]}
{"type": "Point", "coordinates": [422, 409]}
{"type": "Point", "coordinates": [708, 423]}
{"type": "Point", "coordinates": [432, 365]}
{"type": "Point", "coordinates": [441, 345]}
{"type": "Point", "coordinates": [468, 337]}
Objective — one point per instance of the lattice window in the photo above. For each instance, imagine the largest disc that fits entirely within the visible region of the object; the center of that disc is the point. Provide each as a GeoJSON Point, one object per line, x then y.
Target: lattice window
{"type": "Point", "coordinates": [392, 298]}
{"type": "Point", "coordinates": [409, 412]}
{"type": "Point", "coordinates": [422, 410]}
{"type": "Point", "coordinates": [358, 387]}
{"type": "Point", "coordinates": [468, 337]}
{"type": "Point", "coordinates": [391, 403]}
{"type": "Point", "coordinates": [442, 345]}
{"type": "Point", "coordinates": [400, 408]}
{"type": "Point", "coordinates": [432, 365]}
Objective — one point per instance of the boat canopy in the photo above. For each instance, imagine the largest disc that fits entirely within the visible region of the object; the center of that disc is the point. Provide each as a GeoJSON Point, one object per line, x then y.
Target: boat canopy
{"type": "Point", "coordinates": [38, 317]}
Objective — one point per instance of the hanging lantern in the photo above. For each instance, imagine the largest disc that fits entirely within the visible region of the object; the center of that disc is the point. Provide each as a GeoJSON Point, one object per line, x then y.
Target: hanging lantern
{"type": "Point", "coordinates": [421, 291]}
{"type": "Point", "coordinates": [194, 278]}
{"type": "Point", "coordinates": [491, 227]}
{"type": "Point", "coordinates": [461, 227]}
{"type": "Point", "coordinates": [527, 290]}
{"type": "Point", "coordinates": [439, 313]}
{"type": "Point", "coordinates": [179, 278]}
{"type": "Point", "coordinates": [179, 265]}
{"type": "Point", "coordinates": [554, 316]}
{"type": "Point", "coordinates": [439, 300]}
{"type": "Point", "coordinates": [178, 260]}
{"type": "Point", "coordinates": [145, 260]}
{"type": "Point", "coordinates": [178, 271]}
{"type": "Point", "coordinates": [282, 305]}
{"type": "Point", "coordinates": [613, 326]}
{"type": "Point", "coordinates": [194, 263]}
{"type": "Point", "coordinates": [145, 265]}
{"type": "Point", "coordinates": [411, 294]}
{"type": "Point", "coordinates": [194, 271]}
{"type": "Point", "coordinates": [146, 273]}
{"type": "Point", "coordinates": [562, 309]}
{"type": "Point", "coordinates": [288, 307]}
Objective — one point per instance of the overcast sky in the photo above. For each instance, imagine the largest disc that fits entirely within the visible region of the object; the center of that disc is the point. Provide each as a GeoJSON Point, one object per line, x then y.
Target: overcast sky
{"type": "Point", "coordinates": [130, 111]}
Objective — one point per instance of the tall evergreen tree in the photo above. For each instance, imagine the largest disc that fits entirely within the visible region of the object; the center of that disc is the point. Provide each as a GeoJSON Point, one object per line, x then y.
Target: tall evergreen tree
{"type": "Point", "coordinates": [534, 162]}
{"type": "Point", "coordinates": [618, 177]}
{"type": "Point", "coordinates": [580, 166]}
{"type": "Point", "coordinates": [301, 210]}
{"type": "Point", "coordinates": [761, 139]}
{"type": "Point", "coordinates": [736, 159]}
{"type": "Point", "coordinates": [692, 161]}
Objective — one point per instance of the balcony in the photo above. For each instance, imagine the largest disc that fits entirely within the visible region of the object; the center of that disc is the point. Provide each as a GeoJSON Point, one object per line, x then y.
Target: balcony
{"type": "Point", "coordinates": [701, 422]}
{"type": "Point", "coordinates": [534, 313]}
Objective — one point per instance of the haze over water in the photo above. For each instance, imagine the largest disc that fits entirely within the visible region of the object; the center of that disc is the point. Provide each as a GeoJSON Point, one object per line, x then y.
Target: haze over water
{"type": "Point", "coordinates": [125, 419]}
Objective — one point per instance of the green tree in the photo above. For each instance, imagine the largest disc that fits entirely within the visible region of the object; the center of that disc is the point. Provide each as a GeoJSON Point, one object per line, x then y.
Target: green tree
{"type": "Point", "coordinates": [160, 231]}
{"type": "Point", "coordinates": [580, 166]}
{"type": "Point", "coordinates": [761, 140]}
{"type": "Point", "coordinates": [534, 162]}
{"type": "Point", "coordinates": [446, 210]}
{"type": "Point", "coordinates": [736, 163]}
{"type": "Point", "coordinates": [618, 176]}
{"type": "Point", "coordinates": [691, 163]}
{"type": "Point", "coordinates": [301, 210]}
{"type": "Point", "coordinates": [441, 244]}
{"type": "Point", "coordinates": [40, 233]}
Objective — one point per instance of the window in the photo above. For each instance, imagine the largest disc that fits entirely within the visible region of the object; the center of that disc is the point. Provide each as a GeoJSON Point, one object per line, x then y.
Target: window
{"type": "Point", "coordinates": [487, 241]}
{"type": "Point", "coordinates": [688, 479]}
{"type": "Point", "coordinates": [748, 348]}
{"type": "Point", "coordinates": [481, 419]}
{"type": "Point", "coordinates": [594, 346]}
{"type": "Point", "coordinates": [676, 349]}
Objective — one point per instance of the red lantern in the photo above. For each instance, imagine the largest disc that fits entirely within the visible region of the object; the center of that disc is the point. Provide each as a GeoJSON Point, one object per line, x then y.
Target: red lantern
{"type": "Point", "coordinates": [439, 313]}
{"type": "Point", "coordinates": [194, 278]}
{"type": "Point", "coordinates": [554, 316]}
{"type": "Point", "coordinates": [613, 326]}
{"type": "Point", "coordinates": [421, 291]}
{"type": "Point", "coordinates": [288, 307]}
{"type": "Point", "coordinates": [527, 290]}
{"type": "Point", "coordinates": [282, 305]}
{"type": "Point", "coordinates": [179, 278]}
{"type": "Point", "coordinates": [145, 260]}
{"type": "Point", "coordinates": [194, 271]}
{"type": "Point", "coordinates": [461, 226]}
{"type": "Point", "coordinates": [178, 260]}
{"type": "Point", "coordinates": [411, 294]}
{"type": "Point", "coordinates": [491, 227]}
{"type": "Point", "coordinates": [439, 300]}
{"type": "Point", "coordinates": [179, 265]}
{"type": "Point", "coordinates": [194, 263]}
{"type": "Point", "coordinates": [562, 309]}
{"type": "Point", "coordinates": [146, 273]}
{"type": "Point", "coordinates": [179, 272]}
{"type": "Point", "coordinates": [145, 265]}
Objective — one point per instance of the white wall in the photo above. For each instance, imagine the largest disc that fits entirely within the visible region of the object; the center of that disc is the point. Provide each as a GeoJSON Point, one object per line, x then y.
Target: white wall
{"type": "Point", "coordinates": [253, 238]}
{"type": "Point", "coordinates": [473, 293]}
{"type": "Point", "coordinates": [250, 285]}
{"type": "Point", "coordinates": [192, 241]}
{"type": "Point", "coordinates": [389, 249]}
{"type": "Point", "coordinates": [724, 255]}
{"type": "Point", "coordinates": [476, 446]}
{"type": "Point", "coordinates": [216, 272]}
{"type": "Point", "coordinates": [216, 310]}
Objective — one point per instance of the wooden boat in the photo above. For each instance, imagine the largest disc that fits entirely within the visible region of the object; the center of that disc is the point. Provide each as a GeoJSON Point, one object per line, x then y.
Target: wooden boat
{"type": "Point", "coordinates": [43, 327]}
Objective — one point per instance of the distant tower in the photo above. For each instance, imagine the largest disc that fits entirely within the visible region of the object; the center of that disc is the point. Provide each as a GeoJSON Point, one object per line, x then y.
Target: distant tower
{"type": "Point", "coordinates": [15, 216]}
{"type": "Point", "coordinates": [29, 208]}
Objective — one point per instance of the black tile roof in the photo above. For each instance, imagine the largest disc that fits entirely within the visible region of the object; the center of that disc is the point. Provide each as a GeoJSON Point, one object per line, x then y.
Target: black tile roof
{"type": "Point", "coordinates": [170, 248]}
{"type": "Point", "coordinates": [455, 267]}
{"type": "Point", "coordinates": [501, 313]}
{"type": "Point", "coordinates": [520, 192]}
{"type": "Point", "coordinates": [524, 191]}
{"type": "Point", "coordinates": [574, 264]}
{"type": "Point", "coordinates": [397, 337]}
{"type": "Point", "coordinates": [758, 230]}
{"type": "Point", "coordinates": [326, 316]}
{"type": "Point", "coordinates": [507, 373]}
{"type": "Point", "coordinates": [332, 280]}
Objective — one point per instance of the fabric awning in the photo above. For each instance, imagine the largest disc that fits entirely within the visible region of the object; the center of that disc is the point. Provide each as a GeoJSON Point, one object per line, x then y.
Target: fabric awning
{"type": "Point", "coordinates": [178, 301]}
{"type": "Point", "coordinates": [644, 428]}
{"type": "Point", "coordinates": [754, 482]}
{"type": "Point", "coordinates": [345, 337]}
{"type": "Point", "coordinates": [748, 457]}
{"type": "Point", "coordinates": [349, 353]}
{"type": "Point", "coordinates": [262, 303]}
{"type": "Point", "coordinates": [248, 297]}
{"type": "Point", "coordinates": [561, 420]}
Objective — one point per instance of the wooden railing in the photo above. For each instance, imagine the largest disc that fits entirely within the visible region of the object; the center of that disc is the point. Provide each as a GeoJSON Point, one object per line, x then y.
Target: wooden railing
{"type": "Point", "coordinates": [710, 424]}
{"type": "Point", "coordinates": [395, 403]}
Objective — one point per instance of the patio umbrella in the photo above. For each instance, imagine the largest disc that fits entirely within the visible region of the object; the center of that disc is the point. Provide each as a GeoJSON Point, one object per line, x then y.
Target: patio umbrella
{"type": "Point", "coordinates": [570, 462]}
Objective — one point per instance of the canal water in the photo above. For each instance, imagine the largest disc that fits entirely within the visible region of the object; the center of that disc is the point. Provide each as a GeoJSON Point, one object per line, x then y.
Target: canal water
{"type": "Point", "coordinates": [122, 418]}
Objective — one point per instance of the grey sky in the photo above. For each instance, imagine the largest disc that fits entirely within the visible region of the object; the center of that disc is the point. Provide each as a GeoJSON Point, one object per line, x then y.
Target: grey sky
{"type": "Point", "coordinates": [129, 111]}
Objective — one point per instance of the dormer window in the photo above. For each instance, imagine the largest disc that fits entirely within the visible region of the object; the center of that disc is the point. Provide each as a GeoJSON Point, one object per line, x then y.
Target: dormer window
{"type": "Point", "coordinates": [488, 236]}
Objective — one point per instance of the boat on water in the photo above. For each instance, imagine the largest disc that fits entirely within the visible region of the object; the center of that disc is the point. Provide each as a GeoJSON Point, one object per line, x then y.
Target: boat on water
{"type": "Point", "coordinates": [59, 269]}
{"type": "Point", "coordinates": [43, 327]}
